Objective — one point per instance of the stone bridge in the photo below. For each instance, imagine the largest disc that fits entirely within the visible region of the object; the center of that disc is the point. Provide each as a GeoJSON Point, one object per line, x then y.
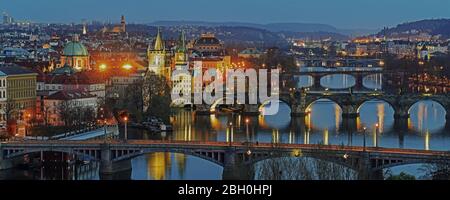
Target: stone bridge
{"type": "Point", "coordinates": [316, 78]}
{"type": "Point", "coordinates": [300, 101]}
{"type": "Point", "coordinates": [236, 158]}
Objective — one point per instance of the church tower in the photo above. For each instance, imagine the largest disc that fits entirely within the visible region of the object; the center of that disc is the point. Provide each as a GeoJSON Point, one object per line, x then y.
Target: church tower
{"type": "Point", "coordinates": [123, 24]}
{"type": "Point", "coordinates": [182, 80]}
{"type": "Point", "coordinates": [157, 57]}
{"type": "Point", "coordinates": [181, 52]}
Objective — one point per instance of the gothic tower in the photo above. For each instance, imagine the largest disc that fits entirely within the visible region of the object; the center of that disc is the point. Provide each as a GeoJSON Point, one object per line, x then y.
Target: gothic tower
{"type": "Point", "coordinates": [181, 51]}
{"type": "Point", "coordinates": [157, 62]}
{"type": "Point", "coordinates": [182, 80]}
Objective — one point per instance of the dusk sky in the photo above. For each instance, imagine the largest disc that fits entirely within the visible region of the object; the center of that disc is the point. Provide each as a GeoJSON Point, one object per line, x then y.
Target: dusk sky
{"type": "Point", "coordinates": [339, 13]}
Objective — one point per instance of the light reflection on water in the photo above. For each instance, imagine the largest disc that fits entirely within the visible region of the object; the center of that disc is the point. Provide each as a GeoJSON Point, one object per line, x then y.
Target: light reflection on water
{"type": "Point", "coordinates": [325, 125]}
{"type": "Point", "coordinates": [341, 81]}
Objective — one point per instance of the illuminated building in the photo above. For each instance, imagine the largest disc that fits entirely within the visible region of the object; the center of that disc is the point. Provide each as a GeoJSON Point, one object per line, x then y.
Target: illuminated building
{"type": "Point", "coordinates": [158, 61]}
{"type": "Point", "coordinates": [208, 45]}
{"type": "Point", "coordinates": [18, 92]}
{"type": "Point", "coordinates": [75, 54]}
{"type": "Point", "coordinates": [423, 53]}
{"type": "Point", "coordinates": [250, 53]}
{"type": "Point", "coordinates": [182, 83]}
{"type": "Point", "coordinates": [72, 99]}
{"type": "Point", "coordinates": [118, 29]}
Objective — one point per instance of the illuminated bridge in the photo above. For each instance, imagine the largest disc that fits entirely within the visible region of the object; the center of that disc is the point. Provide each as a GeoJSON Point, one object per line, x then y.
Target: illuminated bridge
{"type": "Point", "coordinates": [300, 101]}
{"type": "Point", "coordinates": [116, 155]}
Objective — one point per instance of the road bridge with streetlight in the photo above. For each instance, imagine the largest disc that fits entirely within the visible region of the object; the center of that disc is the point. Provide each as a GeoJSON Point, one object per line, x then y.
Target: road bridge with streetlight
{"type": "Point", "coordinates": [236, 158]}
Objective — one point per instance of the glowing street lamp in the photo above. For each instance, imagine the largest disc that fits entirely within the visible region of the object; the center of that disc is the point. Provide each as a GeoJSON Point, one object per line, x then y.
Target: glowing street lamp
{"type": "Point", "coordinates": [377, 126]}
{"type": "Point", "coordinates": [125, 119]}
{"type": "Point", "coordinates": [364, 138]}
{"type": "Point", "coordinates": [103, 67]}
{"type": "Point", "coordinates": [127, 66]}
{"type": "Point", "coordinates": [247, 121]}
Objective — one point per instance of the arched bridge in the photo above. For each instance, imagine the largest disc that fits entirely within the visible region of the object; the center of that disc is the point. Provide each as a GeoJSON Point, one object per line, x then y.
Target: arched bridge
{"type": "Point", "coordinates": [229, 155]}
{"type": "Point", "coordinates": [299, 101]}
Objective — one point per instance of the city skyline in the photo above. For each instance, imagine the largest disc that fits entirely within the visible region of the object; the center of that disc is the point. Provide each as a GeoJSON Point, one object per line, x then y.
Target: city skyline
{"type": "Point", "coordinates": [334, 13]}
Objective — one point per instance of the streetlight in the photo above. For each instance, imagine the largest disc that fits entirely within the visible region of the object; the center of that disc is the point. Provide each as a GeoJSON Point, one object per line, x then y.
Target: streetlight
{"type": "Point", "coordinates": [104, 128]}
{"type": "Point", "coordinates": [376, 134]}
{"type": "Point", "coordinates": [102, 67]}
{"type": "Point", "coordinates": [127, 66]}
{"type": "Point", "coordinates": [230, 136]}
{"type": "Point", "coordinates": [364, 138]}
{"type": "Point", "coordinates": [126, 124]}
{"type": "Point", "coordinates": [247, 121]}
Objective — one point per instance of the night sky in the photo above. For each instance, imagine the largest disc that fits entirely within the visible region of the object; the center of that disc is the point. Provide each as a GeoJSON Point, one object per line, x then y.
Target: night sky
{"type": "Point", "coordinates": [339, 13]}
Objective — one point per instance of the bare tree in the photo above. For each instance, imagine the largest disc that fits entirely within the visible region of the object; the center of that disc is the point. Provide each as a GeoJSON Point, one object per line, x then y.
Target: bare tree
{"type": "Point", "coordinates": [302, 168]}
{"type": "Point", "coordinates": [65, 112]}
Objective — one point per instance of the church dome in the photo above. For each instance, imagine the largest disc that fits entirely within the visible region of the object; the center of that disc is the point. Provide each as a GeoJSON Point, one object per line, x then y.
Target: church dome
{"type": "Point", "coordinates": [75, 49]}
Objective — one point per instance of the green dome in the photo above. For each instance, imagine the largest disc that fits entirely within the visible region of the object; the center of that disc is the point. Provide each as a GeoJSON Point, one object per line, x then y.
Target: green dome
{"type": "Point", "coordinates": [75, 49]}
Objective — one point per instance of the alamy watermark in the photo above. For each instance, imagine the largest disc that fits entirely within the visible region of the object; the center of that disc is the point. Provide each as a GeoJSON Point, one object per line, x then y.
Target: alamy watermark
{"type": "Point", "coordinates": [230, 87]}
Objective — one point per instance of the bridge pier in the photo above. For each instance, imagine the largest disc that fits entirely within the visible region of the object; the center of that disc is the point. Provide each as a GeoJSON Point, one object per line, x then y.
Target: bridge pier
{"type": "Point", "coordinates": [107, 167]}
{"type": "Point", "coordinates": [350, 111]}
{"type": "Point", "coordinates": [234, 168]}
{"type": "Point", "coordinates": [251, 110]}
{"type": "Point", "coordinates": [202, 110]}
{"type": "Point", "coordinates": [5, 163]}
{"type": "Point", "coordinates": [365, 170]}
{"type": "Point", "coordinates": [317, 82]}
{"type": "Point", "coordinates": [401, 123]}
{"type": "Point", "coordinates": [401, 112]}
{"type": "Point", "coordinates": [298, 111]}
{"type": "Point", "coordinates": [351, 126]}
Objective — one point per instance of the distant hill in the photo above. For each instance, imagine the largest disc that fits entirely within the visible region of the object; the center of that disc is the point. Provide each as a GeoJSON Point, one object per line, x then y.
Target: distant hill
{"type": "Point", "coordinates": [315, 35]}
{"type": "Point", "coordinates": [431, 26]}
{"type": "Point", "coordinates": [273, 27]}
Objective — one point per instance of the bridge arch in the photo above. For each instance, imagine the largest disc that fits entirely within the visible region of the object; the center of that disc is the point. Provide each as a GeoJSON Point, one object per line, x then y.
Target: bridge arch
{"type": "Point", "coordinates": [372, 99]}
{"type": "Point", "coordinates": [335, 160]}
{"type": "Point", "coordinates": [405, 162]}
{"type": "Point", "coordinates": [349, 81]}
{"type": "Point", "coordinates": [215, 157]}
{"type": "Point", "coordinates": [89, 154]}
{"type": "Point", "coordinates": [268, 101]}
{"type": "Point", "coordinates": [220, 101]}
{"type": "Point", "coordinates": [440, 102]}
{"type": "Point", "coordinates": [313, 101]}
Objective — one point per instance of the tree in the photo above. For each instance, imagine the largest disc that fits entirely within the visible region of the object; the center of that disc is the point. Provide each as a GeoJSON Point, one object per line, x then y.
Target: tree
{"type": "Point", "coordinates": [156, 96]}
{"type": "Point", "coordinates": [133, 101]}
{"type": "Point", "coordinates": [46, 114]}
{"type": "Point", "coordinates": [9, 109]}
{"type": "Point", "coordinates": [65, 112]}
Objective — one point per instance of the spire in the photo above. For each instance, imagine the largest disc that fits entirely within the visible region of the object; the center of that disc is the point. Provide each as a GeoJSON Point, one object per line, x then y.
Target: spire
{"type": "Point", "coordinates": [181, 46]}
{"type": "Point", "coordinates": [84, 29]}
{"type": "Point", "coordinates": [159, 45]}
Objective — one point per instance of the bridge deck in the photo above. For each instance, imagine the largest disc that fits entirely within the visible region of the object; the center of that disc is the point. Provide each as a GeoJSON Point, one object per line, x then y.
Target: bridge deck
{"type": "Point", "coordinates": [218, 145]}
